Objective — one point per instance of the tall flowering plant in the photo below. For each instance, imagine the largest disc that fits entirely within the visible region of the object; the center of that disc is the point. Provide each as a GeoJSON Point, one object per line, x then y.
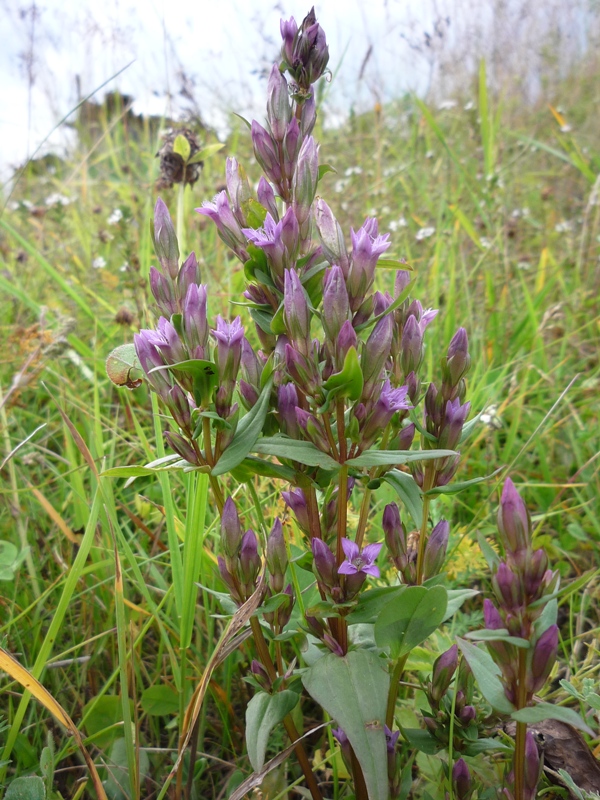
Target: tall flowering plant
{"type": "Point", "coordinates": [324, 393]}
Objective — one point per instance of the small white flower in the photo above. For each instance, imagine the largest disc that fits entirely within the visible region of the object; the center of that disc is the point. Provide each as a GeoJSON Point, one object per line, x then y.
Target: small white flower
{"type": "Point", "coordinates": [565, 129]}
{"type": "Point", "coordinates": [99, 263]}
{"type": "Point", "coordinates": [429, 154]}
{"type": "Point", "coordinates": [469, 106]}
{"type": "Point", "coordinates": [353, 171]}
{"type": "Point", "coordinates": [524, 265]}
{"type": "Point", "coordinates": [385, 209]}
{"type": "Point", "coordinates": [424, 233]}
{"type": "Point", "coordinates": [115, 217]}
{"type": "Point", "coordinates": [27, 204]}
{"type": "Point", "coordinates": [397, 223]}
{"type": "Point", "coordinates": [124, 267]}
{"type": "Point", "coordinates": [491, 418]}
{"type": "Point", "coordinates": [13, 205]}
{"type": "Point", "coordinates": [563, 227]}
{"type": "Point", "coordinates": [340, 186]}
{"type": "Point", "coordinates": [446, 105]}
{"type": "Point", "coordinates": [485, 242]}
{"type": "Point", "coordinates": [57, 199]}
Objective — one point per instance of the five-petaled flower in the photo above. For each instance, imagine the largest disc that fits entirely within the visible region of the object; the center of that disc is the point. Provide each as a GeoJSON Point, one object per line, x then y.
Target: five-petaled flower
{"type": "Point", "coordinates": [359, 560]}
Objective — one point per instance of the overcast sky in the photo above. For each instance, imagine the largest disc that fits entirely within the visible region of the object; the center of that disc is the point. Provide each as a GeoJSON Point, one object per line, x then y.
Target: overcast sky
{"type": "Point", "coordinates": [53, 52]}
{"type": "Point", "coordinates": [48, 50]}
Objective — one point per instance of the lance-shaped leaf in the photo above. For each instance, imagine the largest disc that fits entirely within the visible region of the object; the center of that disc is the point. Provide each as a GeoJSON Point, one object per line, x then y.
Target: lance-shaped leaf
{"type": "Point", "coordinates": [263, 713]}
{"type": "Point", "coordinates": [487, 674]}
{"type": "Point", "coordinates": [248, 431]}
{"type": "Point", "coordinates": [353, 689]}
{"type": "Point", "coordinates": [410, 618]}
{"type": "Point", "coordinates": [295, 450]}
{"type": "Point", "coordinates": [383, 458]}
{"type": "Point", "coordinates": [542, 711]}
{"type": "Point", "coordinates": [455, 488]}
{"type": "Point", "coordinates": [409, 492]}
{"type": "Point", "coordinates": [204, 375]}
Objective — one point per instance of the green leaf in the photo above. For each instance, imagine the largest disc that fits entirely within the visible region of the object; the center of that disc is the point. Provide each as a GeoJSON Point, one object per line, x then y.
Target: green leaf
{"type": "Point", "coordinates": [123, 367]}
{"type": "Point", "coordinates": [127, 472]}
{"type": "Point", "coordinates": [102, 718]}
{"type": "Point", "coordinates": [423, 741]}
{"type": "Point", "coordinates": [262, 319]}
{"type": "Point", "coordinates": [353, 690]}
{"type": "Point", "coordinates": [498, 635]}
{"type": "Point", "coordinates": [389, 310]}
{"type": "Point", "coordinates": [302, 452]}
{"type": "Point", "coordinates": [409, 493]}
{"type": "Point", "coordinates": [117, 765]}
{"type": "Point", "coordinates": [324, 169]}
{"type": "Point", "coordinates": [254, 212]}
{"type": "Point", "coordinates": [455, 488]}
{"type": "Point", "coordinates": [252, 466]}
{"type": "Point", "coordinates": [410, 618]}
{"type": "Point", "coordinates": [206, 152]}
{"type": "Point", "coordinates": [263, 713]}
{"type": "Point", "coordinates": [248, 431]}
{"type": "Point", "coordinates": [371, 602]}
{"type": "Point", "coordinates": [487, 674]}
{"type": "Point", "coordinates": [159, 701]}
{"type": "Point", "coordinates": [394, 263]}
{"type": "Point", "coordinates": [350, 381]}
{"type": "Point", "coordinates": [491, 556]}
{"type": "Point", "coordinates": [456, 597]}
{"type": "Point", "coordinates": [278, 326]}
{"type": "Point", "coordinates": [182, 147]}
{"type": "Point", "coordinates": [569, 589]}
{"type": "Point", "coordinates": [384, 458]}
{"type": "Point", "coordinates": [542, 711]}
{"type": "Point", "coordinates": [204, 374]}
{"type": "Point", "coordinates": [29, 788]}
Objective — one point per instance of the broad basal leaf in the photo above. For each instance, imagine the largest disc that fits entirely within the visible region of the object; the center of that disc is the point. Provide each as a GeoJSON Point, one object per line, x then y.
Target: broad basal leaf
{"type": "Point", "coordinates": [263, 713]}
{"type": "Point", "coordinates": [409, 618]}
{"type": "Point", "coordinates": [353, 689]}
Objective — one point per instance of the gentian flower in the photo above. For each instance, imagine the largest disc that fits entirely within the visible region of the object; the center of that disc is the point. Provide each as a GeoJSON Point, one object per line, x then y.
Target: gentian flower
{"type": "Point", "coordinates": [359, 560]}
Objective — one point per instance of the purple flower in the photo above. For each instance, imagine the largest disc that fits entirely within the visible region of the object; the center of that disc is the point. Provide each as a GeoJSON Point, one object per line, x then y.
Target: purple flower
{"type": "Point", "coordinates": [305, 179]}
{"type": "Point", "coordinates": [238, 188]}
{"type": "Point", "coordinates": [287, 400]}
{"type": "Point", "coordinates": [296, 312]}
{"type": "Point", "coordinates": [163, 290]}
{"type": "Point", "coordinates": [389, 401]}
{"type": "Point", "coordinates": [269, 239]}
{"type": "Point", "coordinates": [391, 739]}
{"type": "Point", "coordinates": [219, 210]}
{"type": "Point", "coordinates": [229, 336]}
{"type": "Point", "coordinates": [266, 197]}
{"type": "Point", "coordinates": [195, 325]}
{"type": "Point", "coordinates": [435, 549]}
{"type": "Point", "coordinates": [359, 560]}
{"type": "Point", "coordinates": [367, 246]}
{"type": "Point", "coordinates": [324, 562]}
{"type": "Point", "coordinates": [454, 420]}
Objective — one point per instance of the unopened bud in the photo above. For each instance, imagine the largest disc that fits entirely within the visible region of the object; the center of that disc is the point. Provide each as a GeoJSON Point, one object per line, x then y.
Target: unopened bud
{"type": "Point", "coordinates": [435, 549]}
{"type": "Point", "coordinates": [165, 240]}
{"type": "Point", "coordinates": [444, 668]}
{"type": "Point", "coordinates": [277, 560]}
{"type": "Point", "coordinates": [514, 522]}
{"type": "Point", "coordinates": [325, 563]}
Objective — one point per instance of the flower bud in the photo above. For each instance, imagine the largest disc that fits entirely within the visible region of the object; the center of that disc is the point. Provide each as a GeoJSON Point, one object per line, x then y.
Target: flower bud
{"type": "Point", "coordinates": [331, 237]}
{"type": "Point", "coordinates": [467, 715]}
{"type": "Point", "coordinates": [308, 115]}
{"type": "Point", "coordinates": [507, 586]}
{"type": "Point", "coordinates": [296, 500]}
{"type": "Point", "coordinates": [279, 110]}
{"type": "Point", "coordinates": [367, 246]}
{"type": "Point", "coordinates": [266, 197]}
{"type": "Point", "coordinates": [188, 274]}
{"type": "Point", "coordinates": [150, 358]}
{"type": "Point", "coordinates": [229, 336]}
{"type": "Point", "coordinates": [238, 189]}
{"type": "Point", "coordinates": [179, 406]}
{"type": "Point", "coordinates": [533, 767]}
{"type": "Point", "coordinates": [313, 429]}
{"type": "Point", "coordinates": [165, 240]}
{"type": "Point", "coordinates": [435, 549]}
{"type": "Point", "coordinates": [534, 571]}
{"type": "Point", "coordinates": [182, 447]}
{"type": "Point", "coordinates": [265, 150]}
{"type": "Point", "coordinates": [228, 579]}
{"type": "Point", "coordinates": [461, 780]}
{"type": "Point", "coordinates": [231, 530]}
{"type": "Point", "coordinates": [411, 347]}
{"type": "Point", "coordinates": [452, 426]}
{"type": "Point", "coordinates": [376, 352]}
{"type": "Point", "coordinates": [444, 668]}
{"type": "Point", "coordinates": [324, 563]}
{"type": "Point", "coordinates": [543, 658]}
{"type": "Point", "coordinates": [296, 311]}
{"type": "Point", "coordinates": [163, 291]}
{"type": "Point", "coordinates": [491, 616]}
{"type": "Point", "coordinates": [277, 560]}
{"type": "Point", "coordinates": [406, 435]}
{"type": "Point", "coordinates": [305, 179]}
{"type": "Point", "coordinates": [514, 522]}
{"type": "Point", "coordinates": [261, 674]}
{"type": "Point", "coordinates": [249, 561]}
{"type": "Point", "coordinates": [195, 325]}
{"type": "Point", "coordinates": [336, 307]}
{"type": "Point", "coordinates": [457, 360]}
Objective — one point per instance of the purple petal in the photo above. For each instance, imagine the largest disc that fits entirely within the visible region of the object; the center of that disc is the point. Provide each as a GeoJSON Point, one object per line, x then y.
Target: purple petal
{"type": "Point", "coordinates": [370, 553]}
{"type": "Point", "coordinates": [346, 568]}
{"type": "Point", "coordinates": [350, 549]}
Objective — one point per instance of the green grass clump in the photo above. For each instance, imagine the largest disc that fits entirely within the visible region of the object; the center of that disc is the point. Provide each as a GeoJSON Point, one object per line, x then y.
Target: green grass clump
{"type": "Point", "coordinates": [497, 213]}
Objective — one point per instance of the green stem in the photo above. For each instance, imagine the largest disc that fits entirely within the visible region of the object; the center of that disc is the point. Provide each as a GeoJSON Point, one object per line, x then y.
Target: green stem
{"type": "Point", "coordinates": [423, 533]}
{"type": "Point", "coordinates": [519, 759]}
{"type": "Point", "coordinates": [288, 722]}
{"type": "Point", "coordinates": [393, 695]}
